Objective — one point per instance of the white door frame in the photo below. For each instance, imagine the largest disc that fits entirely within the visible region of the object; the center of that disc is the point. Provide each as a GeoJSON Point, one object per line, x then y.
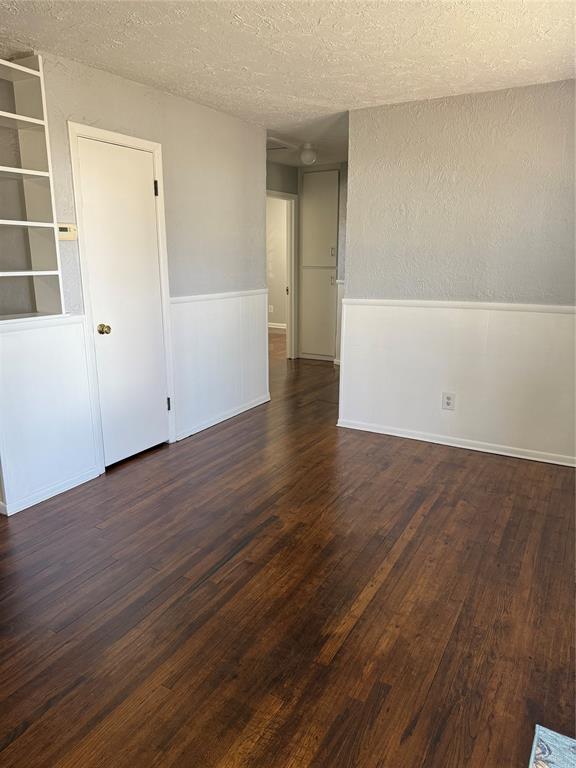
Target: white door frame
{"type": "Point", "coordinates": [77, 131]}
{"type": "Point", "coordinates": [291, 270]}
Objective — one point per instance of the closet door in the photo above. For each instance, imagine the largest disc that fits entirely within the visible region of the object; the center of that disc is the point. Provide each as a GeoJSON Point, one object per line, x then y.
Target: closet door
{"type": "Point", "coordinates": [318, 256]}
{"type": "Point", "coordinates": [319, 219]}
{"type": "Point", "coordinates": [118, 221]}
{"type": "Point", "coordinates": [318, 312]}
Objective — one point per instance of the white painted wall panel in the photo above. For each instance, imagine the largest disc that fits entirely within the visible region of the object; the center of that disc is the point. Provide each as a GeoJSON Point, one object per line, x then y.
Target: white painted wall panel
{"type": "Point", "coordinates": [220, 357]}
{"type": "Point", "coordinates": [511, 368]}
{"type": "Point", "coordinates": [46, 424]}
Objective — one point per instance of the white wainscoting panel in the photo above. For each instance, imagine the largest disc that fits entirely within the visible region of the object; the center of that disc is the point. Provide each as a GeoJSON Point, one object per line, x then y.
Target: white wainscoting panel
{"type": "Point", "coordinates": [46, 421]}
{"type": "Point", "coordinates": [220, 357]}
{"type": "Point", "coordinates": [511, 368]}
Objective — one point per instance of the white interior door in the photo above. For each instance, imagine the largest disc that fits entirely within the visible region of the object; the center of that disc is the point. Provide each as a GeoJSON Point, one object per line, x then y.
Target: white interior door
{"type": "Point", "coordinates": [319, 219]}
{"type": "Point", "coordinates": [120, 241]}
{"type": "Point", "coordinates": [318, 312]}
{"type": "Point", "coordinates": [318, 257]}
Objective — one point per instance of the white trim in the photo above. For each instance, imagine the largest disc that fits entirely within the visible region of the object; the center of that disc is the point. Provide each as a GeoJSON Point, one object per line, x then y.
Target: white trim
{"type": "Point", "coordinates": [216, 296]}
{"type": "Point", "coordinates": [31, 224]}
{"type": "Point", "coordinates": [27, 122]}
{"type": "Point", "coordinates": [18, 68]}
{"type": "Point", "coordinates": [339, 282]}
{"type": "Point", "coordinates": [280, 326]}
{"type": "Point", "coordinates": [281, 195]}
{"type": "Point", "coordinates": [51, 185]}
{"type": "Point", "coordinates": [292, 328]}
{"type": "Point", "coordinates": [336, 361]}
{"type": "Point", "coordinates": [32, 273]}
{"type": "Point", "coordinates": [48, 492]}
{"type": "Point", "coordinates": [18, 172]}
{"type": "Point", "coordinates": [79, 130]}
{"type": "Point", "coordinates": [75, 132]}
{"type": "Point", "coordinates": [38, 321]}
{"type": "Point", "coordinates": [308, 356]}
{"type": "Point", "coordinates": [457, 442]}
{"type": "Point", "coordinates": [478, 305]}
{"type": "Point", "coordinates": [223, 417]}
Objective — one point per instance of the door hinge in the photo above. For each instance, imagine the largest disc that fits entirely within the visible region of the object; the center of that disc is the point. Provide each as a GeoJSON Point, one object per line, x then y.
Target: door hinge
{"type": "Point", "coordinates": [168, 404]}
{"type": "Point", "coordinates": [155, 187]}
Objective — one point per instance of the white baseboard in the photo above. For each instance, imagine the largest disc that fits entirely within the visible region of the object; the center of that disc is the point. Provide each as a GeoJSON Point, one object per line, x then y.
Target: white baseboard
{"type": "Point", "coordinates": [279, 326]}
{"type": "Point", "coordinates": [324, 358]}
{"type": "Point", "coordinates": [223, 417]}
{"type": "Point", "coordinates": [336, 361]}
{"type": "Point", "coordinates": [48, 492]}
{"type": "Point", "coordinates": [510, 367]}
{"type": "Point", "coordinates": [472, 445]}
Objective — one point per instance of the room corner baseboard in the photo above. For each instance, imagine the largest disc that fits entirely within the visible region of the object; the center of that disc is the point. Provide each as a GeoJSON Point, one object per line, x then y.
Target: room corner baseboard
{"type": "Point", "coordinates": [456, 442]}
{"type": "Point", "coordinates": [336, 361]}
{"type": "Point", "coordinates": [324, 358]}
{"type": "Point", "coordinates": [48, 492]}
{"type": "Point", "coordinates": [182, 435]}
{"type": "Point", "coordinates": [279, 326]}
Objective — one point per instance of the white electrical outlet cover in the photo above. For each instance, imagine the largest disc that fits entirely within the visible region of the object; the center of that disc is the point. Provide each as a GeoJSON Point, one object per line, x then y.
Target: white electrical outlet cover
{"type": "Point", "coordinates": [448, 401]}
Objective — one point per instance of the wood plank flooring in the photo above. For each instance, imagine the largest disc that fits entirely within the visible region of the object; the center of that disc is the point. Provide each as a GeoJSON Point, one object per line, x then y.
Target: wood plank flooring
{"type": "Point", "coordinates": [280, 593]}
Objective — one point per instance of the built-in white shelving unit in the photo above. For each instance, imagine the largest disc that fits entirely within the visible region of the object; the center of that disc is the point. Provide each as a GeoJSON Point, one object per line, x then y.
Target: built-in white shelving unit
{"type": "Point", "coordinates": [30, 274]}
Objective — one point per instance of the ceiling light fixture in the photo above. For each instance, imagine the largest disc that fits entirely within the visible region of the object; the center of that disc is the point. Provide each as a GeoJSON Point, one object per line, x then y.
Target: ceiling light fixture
{"type": "Point", "coordinates": [308, 154]}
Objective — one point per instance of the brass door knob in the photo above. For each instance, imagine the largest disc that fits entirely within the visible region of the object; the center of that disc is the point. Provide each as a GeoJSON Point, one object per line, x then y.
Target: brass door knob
{"type": "Point", "coordinates": [103, 328]}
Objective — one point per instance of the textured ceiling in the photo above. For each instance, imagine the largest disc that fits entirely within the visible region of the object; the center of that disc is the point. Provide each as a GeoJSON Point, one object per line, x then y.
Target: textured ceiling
{"type": "Point", "coordinates": [295, 67]}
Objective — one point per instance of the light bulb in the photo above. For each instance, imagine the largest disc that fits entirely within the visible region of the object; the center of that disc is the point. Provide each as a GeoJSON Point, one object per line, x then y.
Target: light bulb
{"type": "Point", "coordinates": [308, 155]}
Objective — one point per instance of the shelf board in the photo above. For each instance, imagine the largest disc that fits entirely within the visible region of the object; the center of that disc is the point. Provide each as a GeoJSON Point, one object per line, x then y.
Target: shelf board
{"type": "Point", "coordinates": [11, 223]}
{"type": "Point", "coordinates": [6, 172]}
{"type": "Point", "coordinates": [30, 316]}
{"type": "Point", "coordinates": [32, 273]}
{"type": "Point", "coordinates": [11, 120]}
{"type": "Point", "coordinates": [10, 70]}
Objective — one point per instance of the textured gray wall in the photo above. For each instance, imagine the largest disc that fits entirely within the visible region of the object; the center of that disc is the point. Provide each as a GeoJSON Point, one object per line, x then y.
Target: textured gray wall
{"type": "Point", "coordinates": [282, 178]}
{"type": "Point", "coordinates": [214, 177]}
{"type": "Point", "coordinates": [468, 197]}
{"type": "Point", "coordinates": [342, 214]}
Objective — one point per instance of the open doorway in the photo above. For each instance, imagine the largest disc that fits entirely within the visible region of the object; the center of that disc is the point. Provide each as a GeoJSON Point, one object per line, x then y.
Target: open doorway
{"type": "Point", "coordinates": [280, 239]}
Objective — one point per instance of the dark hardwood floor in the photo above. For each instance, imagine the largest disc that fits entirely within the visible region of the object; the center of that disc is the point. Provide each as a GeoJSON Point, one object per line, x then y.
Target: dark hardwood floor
{"type": "Point", "coordinates": [280, 593]}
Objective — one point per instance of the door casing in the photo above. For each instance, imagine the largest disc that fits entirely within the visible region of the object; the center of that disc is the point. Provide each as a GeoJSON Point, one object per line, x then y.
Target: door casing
{"type": "Point", "coordinates": [76, 131]}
